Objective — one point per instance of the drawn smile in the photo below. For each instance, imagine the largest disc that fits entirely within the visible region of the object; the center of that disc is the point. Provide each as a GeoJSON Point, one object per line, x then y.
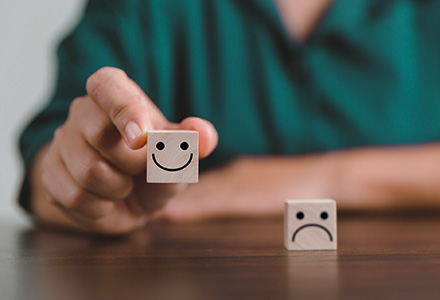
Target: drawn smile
{"type": "Point", "coordinates": [312, 225]}
{"type": "Point", "coordinates": [174, 169]}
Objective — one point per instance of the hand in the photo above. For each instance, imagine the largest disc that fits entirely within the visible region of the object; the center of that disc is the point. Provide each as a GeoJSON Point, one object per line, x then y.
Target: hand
{"type": "Point", "coordinates": [94, 168]}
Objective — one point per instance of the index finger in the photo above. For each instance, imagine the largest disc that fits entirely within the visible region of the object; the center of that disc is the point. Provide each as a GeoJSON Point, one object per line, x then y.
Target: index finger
{"type": "Point", "coordinates": [128, 107]}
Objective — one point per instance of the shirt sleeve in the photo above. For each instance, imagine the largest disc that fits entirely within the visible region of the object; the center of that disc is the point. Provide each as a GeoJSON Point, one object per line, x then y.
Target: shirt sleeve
{"type": "Point", "coordinates": [109, 33]}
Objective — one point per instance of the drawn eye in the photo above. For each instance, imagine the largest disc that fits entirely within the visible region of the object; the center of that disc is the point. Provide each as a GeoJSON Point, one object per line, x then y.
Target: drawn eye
{"type": "Point", "coordinates": [300, 215]}
{"type": "Point", "coordinates": [184, 146]}
{"type": "Point", "coordinates": [324, 215]}
{"type": "Point", "coordinates": [160, 146]}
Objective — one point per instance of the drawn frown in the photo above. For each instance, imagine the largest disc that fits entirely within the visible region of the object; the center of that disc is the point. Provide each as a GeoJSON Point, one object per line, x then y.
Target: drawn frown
{"type": "Point", "coordinates": [310, 224]}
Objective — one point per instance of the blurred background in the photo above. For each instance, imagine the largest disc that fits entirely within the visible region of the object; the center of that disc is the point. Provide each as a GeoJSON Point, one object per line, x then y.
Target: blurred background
{"type": "Point", "coordinates": [29, 33]}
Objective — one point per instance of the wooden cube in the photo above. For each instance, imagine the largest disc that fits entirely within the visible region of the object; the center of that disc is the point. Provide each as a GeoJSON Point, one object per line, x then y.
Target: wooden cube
{"type": "Point", "coordinates": [310, 224]}
{"type": "Point", "coordinates": [172, 156]}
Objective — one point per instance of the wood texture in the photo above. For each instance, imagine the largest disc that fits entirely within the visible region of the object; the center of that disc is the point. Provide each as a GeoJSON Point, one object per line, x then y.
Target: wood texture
{"type": "Point", "coordinates": [310, 224]}
{"type": "Point", "coordinates": [377, 258]}
{"type": "Point", "coordinates": [173, 156]}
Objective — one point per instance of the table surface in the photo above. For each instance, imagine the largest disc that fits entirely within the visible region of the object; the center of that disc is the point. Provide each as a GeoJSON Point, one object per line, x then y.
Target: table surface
{"type": "Point", "coordinates": [390, 257]}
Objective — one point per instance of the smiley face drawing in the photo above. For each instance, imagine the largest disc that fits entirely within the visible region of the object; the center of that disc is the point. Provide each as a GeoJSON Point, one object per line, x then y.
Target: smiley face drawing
{"type": "Point", "coordinates": [172, 156]}
{"type": "Point", "coordinates": [310, 224]}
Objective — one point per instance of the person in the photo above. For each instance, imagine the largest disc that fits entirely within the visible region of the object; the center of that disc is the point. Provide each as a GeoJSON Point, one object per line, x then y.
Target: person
{"type": "Point", "coordinates": [307, 98]}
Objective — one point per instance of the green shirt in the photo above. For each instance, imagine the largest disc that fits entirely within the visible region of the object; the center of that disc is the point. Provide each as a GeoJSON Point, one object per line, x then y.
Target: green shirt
{"type": "Point", "coordinates": [368, 75]}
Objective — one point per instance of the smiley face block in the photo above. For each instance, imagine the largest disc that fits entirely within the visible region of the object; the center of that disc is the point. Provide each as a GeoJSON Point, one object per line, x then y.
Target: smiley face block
{"type": "Point", "coordinates": [173, 156]}
{"type": "Point", "coordinates": [310, 224]}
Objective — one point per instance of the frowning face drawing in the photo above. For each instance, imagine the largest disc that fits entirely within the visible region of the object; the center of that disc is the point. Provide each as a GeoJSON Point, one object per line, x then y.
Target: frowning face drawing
{"type": "Point", "coordinates": [310, 224]}
{"type": "Point", "coordinates": [172, 156]}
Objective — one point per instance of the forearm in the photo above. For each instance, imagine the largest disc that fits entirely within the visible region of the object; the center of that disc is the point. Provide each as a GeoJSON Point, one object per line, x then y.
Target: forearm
{"type": "Point", "coordinates": [365, 178]}
{"type": "Point", "coordinates": [392, 177]}
{"type": "Point", "coordinates": [358, 179]}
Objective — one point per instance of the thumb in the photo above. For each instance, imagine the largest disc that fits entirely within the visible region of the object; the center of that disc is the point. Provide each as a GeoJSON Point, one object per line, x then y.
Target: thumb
{"type": "Point", "coordinates": [208, 135]}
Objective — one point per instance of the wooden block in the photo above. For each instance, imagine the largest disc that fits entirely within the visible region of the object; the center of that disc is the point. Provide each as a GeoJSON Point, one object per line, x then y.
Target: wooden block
{"type": "Point", "coordinates": [310, 224]}
{"type": "Point", "coordinates": [172, 156]}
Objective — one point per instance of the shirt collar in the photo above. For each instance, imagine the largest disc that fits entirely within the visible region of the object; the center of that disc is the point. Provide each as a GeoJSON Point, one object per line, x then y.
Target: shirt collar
{"type": "Point", "coordinates": [343, 16]}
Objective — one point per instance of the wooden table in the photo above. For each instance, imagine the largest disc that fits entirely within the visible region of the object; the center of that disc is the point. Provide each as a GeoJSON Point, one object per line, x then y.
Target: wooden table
{"type": "Point", "coordinates": [384, 257]}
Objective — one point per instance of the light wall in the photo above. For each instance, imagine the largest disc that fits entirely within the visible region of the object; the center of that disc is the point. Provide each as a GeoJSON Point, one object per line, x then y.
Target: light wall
{"type": "Point", "coordinates": [29, 32]}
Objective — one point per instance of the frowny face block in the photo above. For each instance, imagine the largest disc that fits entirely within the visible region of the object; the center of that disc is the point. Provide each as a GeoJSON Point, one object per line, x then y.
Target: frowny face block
{"type": "Point", "coordinates": [310, 224]}
{"type": "Point", "coordinates": [173, 156]}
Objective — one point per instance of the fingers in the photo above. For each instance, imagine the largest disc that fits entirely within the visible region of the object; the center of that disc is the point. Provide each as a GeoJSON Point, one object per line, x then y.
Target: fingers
{"type": "Point", "coordinates": [88, 210]}
{"type": "Point", "coordinates": [208, 136]}
{"type": "Point", "coordinates": [132, 113]}
{"type": "Point", "coordinates": [68, 194]}
{"type": "Point", "coordinates": [90, 171]}
{"type": "Point", "coordinates": [128, 107]}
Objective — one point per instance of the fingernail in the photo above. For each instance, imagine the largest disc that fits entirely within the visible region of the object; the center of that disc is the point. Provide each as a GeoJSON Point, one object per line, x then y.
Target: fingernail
{"type": "Point", "coordinates": [132, 131]}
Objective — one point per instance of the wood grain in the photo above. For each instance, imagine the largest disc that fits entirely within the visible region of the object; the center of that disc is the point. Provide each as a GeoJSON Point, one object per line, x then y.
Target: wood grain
{"type": "Point", "coordinates": [386, 258]}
